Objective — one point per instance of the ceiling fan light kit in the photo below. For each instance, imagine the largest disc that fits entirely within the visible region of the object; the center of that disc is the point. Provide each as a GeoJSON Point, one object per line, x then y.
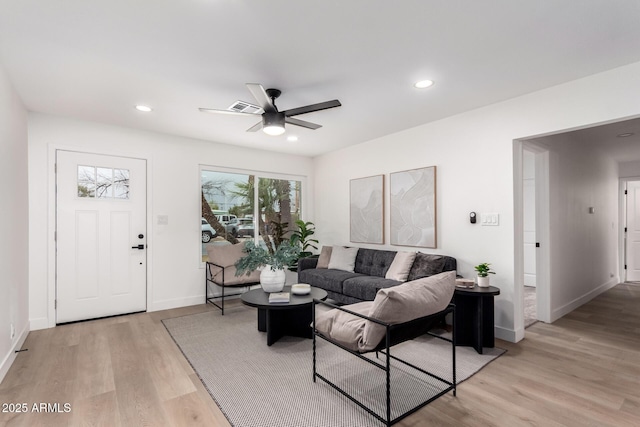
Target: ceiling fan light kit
{"type": "Point", "coordinates": [273, 121]}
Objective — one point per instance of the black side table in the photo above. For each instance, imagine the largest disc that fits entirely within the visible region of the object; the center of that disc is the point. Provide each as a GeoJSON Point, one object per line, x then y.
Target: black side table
{"type": "Point", "coordinates": [474, 321]}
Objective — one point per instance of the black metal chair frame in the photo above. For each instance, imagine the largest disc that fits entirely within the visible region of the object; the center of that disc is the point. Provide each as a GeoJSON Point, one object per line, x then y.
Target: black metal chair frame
{"type": "Point", "coordinates": [208, 278]}
{"type": "Point", "coordinates": [395, 334]}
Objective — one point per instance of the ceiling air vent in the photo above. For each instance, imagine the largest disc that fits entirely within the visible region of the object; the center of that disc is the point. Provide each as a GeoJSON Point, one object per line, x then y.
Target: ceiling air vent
{"type": "Point", "coordinates": [245, 107]}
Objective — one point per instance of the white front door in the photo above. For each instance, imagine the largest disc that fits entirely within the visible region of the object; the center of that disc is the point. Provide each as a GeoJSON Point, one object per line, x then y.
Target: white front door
{"type": "Point", "coordinates": [100, 236]}
{"type": "Point", "coordinates": [633, 231]}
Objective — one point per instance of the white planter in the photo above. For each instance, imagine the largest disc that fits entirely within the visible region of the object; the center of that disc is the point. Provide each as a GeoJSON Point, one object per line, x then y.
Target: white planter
{"type": "Point", "coordinates": [272, 281]}
{"type": "Point", "coordinates": [483, 282]}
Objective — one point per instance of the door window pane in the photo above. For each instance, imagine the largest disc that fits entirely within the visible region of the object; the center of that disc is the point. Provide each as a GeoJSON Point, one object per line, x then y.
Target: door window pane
{"type": "Point", "coordinates": [104, 183]}
{"type": "Point", "coordinates": [121, 183]}
{"type": "Point", "coordinates": [86, 181]}
{"type": "Point", "coordinates": [100, 182]}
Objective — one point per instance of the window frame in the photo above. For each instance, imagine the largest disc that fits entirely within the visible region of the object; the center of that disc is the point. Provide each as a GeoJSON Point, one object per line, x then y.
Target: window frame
{"type": "Point", "coordinates": [303, 179]}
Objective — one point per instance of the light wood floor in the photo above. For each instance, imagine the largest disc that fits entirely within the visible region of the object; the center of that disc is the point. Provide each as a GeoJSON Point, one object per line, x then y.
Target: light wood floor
{"type": "Point", "coordinates": [583, 370]}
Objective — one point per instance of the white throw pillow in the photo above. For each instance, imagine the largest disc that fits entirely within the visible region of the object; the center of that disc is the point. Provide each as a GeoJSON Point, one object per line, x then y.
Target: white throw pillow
{"type": "Point", "coordinates": [343, 258]}
{"type": "Point", "coordinates": [400, 267]}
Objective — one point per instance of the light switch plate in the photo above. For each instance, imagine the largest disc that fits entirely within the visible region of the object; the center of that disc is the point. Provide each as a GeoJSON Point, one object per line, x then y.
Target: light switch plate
{"type": "Point", "coordinates": [491, 219]}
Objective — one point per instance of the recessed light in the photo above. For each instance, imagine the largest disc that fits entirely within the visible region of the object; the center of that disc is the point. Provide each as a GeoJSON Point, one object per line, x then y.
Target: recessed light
{"type": "Point", "coordinates": [144, 108]}
{"type": "Point", "coordinates": [624, 135]}
{"type": "Point", "coordinates": [292, 138]}
{"type": "Point", "coordinates": [423, 84]}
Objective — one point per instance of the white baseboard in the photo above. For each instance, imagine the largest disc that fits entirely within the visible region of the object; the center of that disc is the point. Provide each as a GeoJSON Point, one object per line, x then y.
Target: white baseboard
{"type": "Point", "coordinates": [176, 303]}
{"type": "Point", "coordinates": [568, 308]}
{"type": "Point", "coordinates": [509, 335]}
{"type": "Point", "coordinates": [39, 323]}
{"type": "Point", "coordinates": [9, 358]}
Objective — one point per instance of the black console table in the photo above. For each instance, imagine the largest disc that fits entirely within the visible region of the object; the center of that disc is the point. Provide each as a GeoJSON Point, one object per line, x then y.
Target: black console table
{"type": "Point", "coordinates": [474, 322]}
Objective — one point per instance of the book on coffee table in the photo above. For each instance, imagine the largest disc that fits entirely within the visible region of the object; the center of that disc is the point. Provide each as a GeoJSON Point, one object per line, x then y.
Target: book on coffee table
{"type": "Point", "coordinates": [279, 297]}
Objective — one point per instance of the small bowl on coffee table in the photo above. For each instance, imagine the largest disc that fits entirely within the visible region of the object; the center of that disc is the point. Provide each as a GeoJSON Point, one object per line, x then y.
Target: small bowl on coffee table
{"type": "Point", "coordinates": [300, 289]}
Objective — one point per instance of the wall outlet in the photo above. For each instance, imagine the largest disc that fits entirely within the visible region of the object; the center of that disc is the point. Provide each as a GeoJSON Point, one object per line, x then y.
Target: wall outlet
{"type": "Point", "coordinates": [13, 331]}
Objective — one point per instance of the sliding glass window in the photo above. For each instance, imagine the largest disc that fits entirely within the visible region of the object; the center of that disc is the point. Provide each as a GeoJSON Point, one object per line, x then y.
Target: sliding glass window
{"type": "Point", "coordinates": [235, 209]}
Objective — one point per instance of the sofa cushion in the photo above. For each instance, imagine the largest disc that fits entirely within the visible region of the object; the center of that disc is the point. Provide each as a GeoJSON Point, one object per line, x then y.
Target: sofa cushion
{"type": "Point", "coordinates": [343, 258]}
{"type": "Point", "coordinates": [426, 265]}
{"type": "Point", "coordinates": [225, 255]}
{"type": "Point", "coordinates": [327, 279]}
{"type": "Point", "coordinates": [400, 267]}
{"type": "Point", "coordinates": [230, 278]}
{"type": "Point", "coordinates": [325, 256]}
{"type": "Point", "coordinates": [373, 262]}
{"type": "Point", "coordinates": [366, 287]}
{"type": "Point", "coordinates": [343, 327]}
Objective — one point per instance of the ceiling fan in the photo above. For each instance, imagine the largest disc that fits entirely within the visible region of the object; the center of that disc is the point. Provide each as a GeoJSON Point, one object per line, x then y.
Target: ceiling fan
{"type": "Point", "coordinates": [273, 120]}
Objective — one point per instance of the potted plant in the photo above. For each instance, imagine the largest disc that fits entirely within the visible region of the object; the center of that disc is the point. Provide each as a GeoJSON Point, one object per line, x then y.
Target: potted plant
{"type": "Point", "coordinates": [483, 271]}
{"type": "Point", "coordinates": [271, 265]}
{"type": "Point", "coordinates": [302, 239]}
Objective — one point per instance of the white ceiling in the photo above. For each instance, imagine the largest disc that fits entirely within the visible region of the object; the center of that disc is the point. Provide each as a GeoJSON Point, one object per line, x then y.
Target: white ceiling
{"type": "Point", "coordinates": [94, 60]}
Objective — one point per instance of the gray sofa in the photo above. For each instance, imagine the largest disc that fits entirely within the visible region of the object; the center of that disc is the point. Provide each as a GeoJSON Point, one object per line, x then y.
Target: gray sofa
{"type": "Point", "coordinates": [368, 277]}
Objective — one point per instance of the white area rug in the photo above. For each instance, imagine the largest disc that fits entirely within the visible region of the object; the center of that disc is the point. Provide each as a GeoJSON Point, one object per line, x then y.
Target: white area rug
{"type": "Point", "coordinates": [259, 386]}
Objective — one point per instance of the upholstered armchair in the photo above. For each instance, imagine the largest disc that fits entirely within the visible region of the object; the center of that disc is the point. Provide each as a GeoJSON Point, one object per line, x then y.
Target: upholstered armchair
{"type": "Point", "coordinates": [397, 314]}
{"type": "Point", "coordinates": [220, 270]}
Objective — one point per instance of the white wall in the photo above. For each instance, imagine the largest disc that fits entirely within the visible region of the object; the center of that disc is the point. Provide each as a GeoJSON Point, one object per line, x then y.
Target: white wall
{"type": "Point", "coordinates": [13, 224]}
{"type": "Point", "coordinates": [629, 169]}
{"type": "Point", "coordinates": [474, 153]}
{"type": "Point", "coordinates": [175, 276]}
{"type": "Point", "coordinates": [584, 261]}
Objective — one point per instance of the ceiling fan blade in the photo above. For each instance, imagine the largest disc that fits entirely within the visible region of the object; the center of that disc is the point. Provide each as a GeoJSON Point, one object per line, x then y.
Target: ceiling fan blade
{"type": "Point", "coordinates": [261, 96]}
{"type": "Point", "coordinates": [302, 123]}
{"type": "Point", "coordinates": [233, 113]}
{"type": "Point", "coordinates": [256, 127]}
{"type": "Point", "coordinates": [313, 107]}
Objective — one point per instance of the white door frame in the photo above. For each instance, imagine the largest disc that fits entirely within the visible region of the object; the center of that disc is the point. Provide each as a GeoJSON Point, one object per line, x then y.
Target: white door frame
{"type": "Point", "coordinates": [622, 222]}
{"type": "Point", "coordinates": [543, 290]}
{"type": "Point", "coordinates": [51, 224]}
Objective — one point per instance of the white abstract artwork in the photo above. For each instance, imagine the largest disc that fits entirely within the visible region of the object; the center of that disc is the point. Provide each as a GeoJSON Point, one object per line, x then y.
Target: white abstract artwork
{"type": "Point", "coordinates": [413, 207]}
{"type": "Point", "coordinates": [367, 210]}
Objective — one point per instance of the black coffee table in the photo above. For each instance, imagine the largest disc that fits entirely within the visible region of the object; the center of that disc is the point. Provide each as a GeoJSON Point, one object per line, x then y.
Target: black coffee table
{"type": "Point", "coordinates": [291, 319]}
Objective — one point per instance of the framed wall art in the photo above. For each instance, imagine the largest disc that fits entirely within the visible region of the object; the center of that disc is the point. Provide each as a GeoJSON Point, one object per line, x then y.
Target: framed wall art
{"type": "Point", "coordinates": [366, 201]}
{"type": "Point", "coordinates": [413, 207]}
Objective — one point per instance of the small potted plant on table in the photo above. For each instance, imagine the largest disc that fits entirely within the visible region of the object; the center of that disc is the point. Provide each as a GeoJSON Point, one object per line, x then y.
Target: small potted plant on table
{"type": "Point", "coordinates": [271, 265]}
{"type": "Point", "coordinates": [483, 271]}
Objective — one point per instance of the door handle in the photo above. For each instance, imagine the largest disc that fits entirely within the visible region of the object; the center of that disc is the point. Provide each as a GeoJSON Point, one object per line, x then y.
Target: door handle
{"type": "Point", "coordinates": [141, 247]}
